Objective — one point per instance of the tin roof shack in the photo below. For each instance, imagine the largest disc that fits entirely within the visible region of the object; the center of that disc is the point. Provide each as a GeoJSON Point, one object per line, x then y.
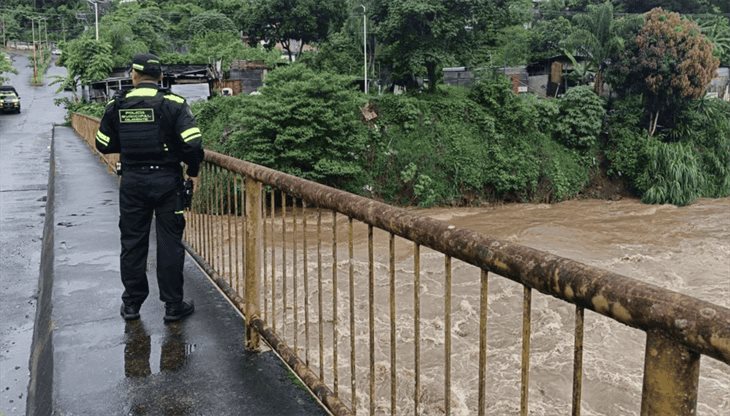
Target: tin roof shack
{"type": "Point", "coordinates": [547, 77]}
{"type": "Point", "coordinates": [458, 76]}
{"type": "Point", "coordinates": [245, 77]}
{"type": "Point", "coordinates": [192, 81]}
{"type": "Point", "coordinates": [465, 77]}
{"type": "Point", "coordinates": [720, 85]}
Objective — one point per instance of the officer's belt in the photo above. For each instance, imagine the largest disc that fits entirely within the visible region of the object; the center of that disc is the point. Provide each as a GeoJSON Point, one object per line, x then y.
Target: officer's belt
{"type": "Point", "coordinates": [152, 168]}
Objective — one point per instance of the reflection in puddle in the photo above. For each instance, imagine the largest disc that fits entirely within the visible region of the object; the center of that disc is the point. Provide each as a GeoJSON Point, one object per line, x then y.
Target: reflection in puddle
{"type": "Point", "coordinates": [174, 351]}
{"type": "Point", "coordinates": [152, 393]}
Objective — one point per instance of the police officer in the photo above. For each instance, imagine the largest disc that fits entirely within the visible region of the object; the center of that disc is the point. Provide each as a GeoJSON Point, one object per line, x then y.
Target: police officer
{"type": "Point", "coordinates": [154, 131]}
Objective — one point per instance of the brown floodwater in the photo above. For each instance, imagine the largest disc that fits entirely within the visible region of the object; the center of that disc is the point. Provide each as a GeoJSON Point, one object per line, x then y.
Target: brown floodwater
{"type": "Point", "coordinates": [685, 249]}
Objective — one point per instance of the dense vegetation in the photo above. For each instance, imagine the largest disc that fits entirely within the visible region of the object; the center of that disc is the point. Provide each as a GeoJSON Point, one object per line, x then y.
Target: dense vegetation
{"type": "Point", "coordinates": [655, 133]}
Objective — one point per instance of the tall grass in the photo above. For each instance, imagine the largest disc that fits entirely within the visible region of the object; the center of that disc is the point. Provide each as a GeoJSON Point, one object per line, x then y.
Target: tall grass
{"type": "Point", "coordinates": [674, 175]}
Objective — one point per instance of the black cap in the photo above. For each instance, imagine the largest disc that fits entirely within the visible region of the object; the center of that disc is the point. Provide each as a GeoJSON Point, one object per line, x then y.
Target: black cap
{"type": "Point", "coordinates": [146, 63]}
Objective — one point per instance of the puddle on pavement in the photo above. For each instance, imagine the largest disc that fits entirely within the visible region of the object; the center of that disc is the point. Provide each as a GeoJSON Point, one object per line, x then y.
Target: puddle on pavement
{"type": "Point", "coordinates": [171, 348]}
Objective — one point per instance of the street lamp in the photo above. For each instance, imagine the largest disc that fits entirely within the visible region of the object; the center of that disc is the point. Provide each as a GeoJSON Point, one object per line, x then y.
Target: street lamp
{"type": "Point", "coordinates": [365, 44]}
{"type": "Point", "coordinates": [96, 15]}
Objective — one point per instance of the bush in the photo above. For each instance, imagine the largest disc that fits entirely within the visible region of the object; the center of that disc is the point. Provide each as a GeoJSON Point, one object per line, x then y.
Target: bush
{"type": "Point", "coordinates": [303, 123]}
{"type": "Point", "coordinates": [428, 149]}
{"type": "Point", "coordinates": [705, 124]}
{"type": "Point", "coordinates": [627, 148]}
{"type": "Point", "coordinates": [581, 118]}
{"type": "Point", "coordinates": [470, 145]}
{"type": "Point", "coordinates": [563, 172]}
{"type": "Point", "coordinates": [89, 109]}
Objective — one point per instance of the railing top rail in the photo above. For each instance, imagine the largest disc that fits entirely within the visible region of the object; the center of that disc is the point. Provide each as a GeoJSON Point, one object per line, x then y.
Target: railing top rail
{"type": "Point", "coordinates": [702, 326]}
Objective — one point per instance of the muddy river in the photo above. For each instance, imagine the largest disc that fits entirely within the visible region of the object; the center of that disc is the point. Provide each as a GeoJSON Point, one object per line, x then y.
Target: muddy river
{"type": "Point", "coordinates": [683, 249]}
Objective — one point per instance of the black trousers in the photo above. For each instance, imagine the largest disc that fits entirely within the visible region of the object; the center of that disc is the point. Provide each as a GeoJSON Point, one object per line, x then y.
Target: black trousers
{"type": "Point", "coordinates": [141, 194]}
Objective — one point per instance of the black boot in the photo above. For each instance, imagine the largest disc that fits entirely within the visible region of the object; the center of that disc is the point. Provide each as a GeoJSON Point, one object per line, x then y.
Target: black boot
{"type": "Point", "coordinates": [129, 312]}
{"type": "Point", "coordinates": [177, 311]}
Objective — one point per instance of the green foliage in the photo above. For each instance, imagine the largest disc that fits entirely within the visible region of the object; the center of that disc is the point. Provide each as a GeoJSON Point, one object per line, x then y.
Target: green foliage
{"type": "Point", "coordinates": [211, 21]}
{"type": "Point", "coordinates": [596, 39]}
{"type": "Point", "coordinates": [514, 49]}
{"type": "Point", "coordinates": [717, 30]}
{"type": "Point", "coordinates": [563, 172]}
{"type": "Point", "coordinates": [423, 34]}
{"type": "Point", "coordinates": [547, 38]}
{"type": "Point", "coordinates": [303, 123]}
{"type": "Point", "coordinates": [224, 46]}
{"type": "Point", "coordinates": [468, 146]}
{"type": "Point", "coordinates": [673, 175]}
{"type": "Point", "coordinates": [581, 118]}
{"type": "Point", "coordinates": [705, 124]}
{"type": "Point", "coordinates": [280, 21]}
{"type": "Point", "coordinates": [420, 155]}
{"type": "Point", "coordinates": [627, 146]}
{"type": "Point", "coordinates": [6, 66]}
{"type": "Point", "coordinates": [73, 106]}
{"type": "Point", "coordinates": [688, 162]}
{"type": "Point", "coordinates": [670, 62]}
{"type": "Point", "coordinates": [135, 27]}
{"type": "Point", "coordinates": [339, 54]}
{"type": "Point", "coordinates": [86, 60]}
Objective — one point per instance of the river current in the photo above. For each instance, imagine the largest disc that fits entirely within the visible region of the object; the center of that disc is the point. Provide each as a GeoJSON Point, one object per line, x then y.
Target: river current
{"type": "Point", "coordinates": [684, 249]}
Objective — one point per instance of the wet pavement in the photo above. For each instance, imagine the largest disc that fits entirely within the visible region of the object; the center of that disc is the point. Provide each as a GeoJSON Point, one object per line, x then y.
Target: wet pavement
{"type": "Point", "coordinates": [104, 365]}
{"type": "Point", "coordinates": [25, 140]}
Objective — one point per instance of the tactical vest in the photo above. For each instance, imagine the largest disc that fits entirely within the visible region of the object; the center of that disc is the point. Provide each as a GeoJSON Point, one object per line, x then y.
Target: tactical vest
{"type": "Point", "coordinates": [141, 126]}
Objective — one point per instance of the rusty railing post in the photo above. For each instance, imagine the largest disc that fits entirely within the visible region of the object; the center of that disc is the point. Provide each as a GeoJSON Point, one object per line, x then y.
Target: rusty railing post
{"type": "Point", "coordinates": [254, 252]}
{"type": "Point", "coordinates": [671, 375]}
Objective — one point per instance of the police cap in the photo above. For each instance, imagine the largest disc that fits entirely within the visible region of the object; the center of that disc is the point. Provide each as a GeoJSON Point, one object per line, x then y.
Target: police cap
{"type": "Point", "coordinates": [146, 63]}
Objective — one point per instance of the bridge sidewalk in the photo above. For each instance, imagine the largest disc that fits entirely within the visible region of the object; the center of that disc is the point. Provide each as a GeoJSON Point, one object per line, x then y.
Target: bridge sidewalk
{"type": "Point", "coordinates": [104, 366]}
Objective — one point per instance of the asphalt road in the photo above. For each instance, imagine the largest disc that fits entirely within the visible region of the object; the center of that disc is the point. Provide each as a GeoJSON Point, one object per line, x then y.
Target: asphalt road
{"type": "Point", "coordinates": [25, 140]}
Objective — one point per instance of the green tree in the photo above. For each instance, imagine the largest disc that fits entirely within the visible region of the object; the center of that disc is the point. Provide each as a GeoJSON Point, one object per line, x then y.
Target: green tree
{"type": "Point", "coordinates": [211, 21]}
{"type": "Point", "coordinates": [669, 62]}
{"type": "Point", "coordinates": [221, 46]}
{"type": "Point", "coordinates": [418, 34]}
{"type": "Point", "coordinates": [5, 66]}
{"type": "Point", "coordinates": [86, 60]}
{"type": "Point", "coordinates": [596, 40]}
{"type": "Point", "coordinates": [285, 21]}
{"type": "Point", "coordinates": [304, 123]}
{"type": "Point", "coordinates": [581, 118]}
{"type": "Point", "coordinates": [679, 6]}
{"type": "Point", "coordinates": [133, 28]}
{"type": "Point", "coordinates": [547, 37]}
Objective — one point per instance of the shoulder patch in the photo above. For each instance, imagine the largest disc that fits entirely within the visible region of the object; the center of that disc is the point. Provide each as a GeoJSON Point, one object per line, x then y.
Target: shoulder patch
{"type": "Point", "coordinates": [176, 98]}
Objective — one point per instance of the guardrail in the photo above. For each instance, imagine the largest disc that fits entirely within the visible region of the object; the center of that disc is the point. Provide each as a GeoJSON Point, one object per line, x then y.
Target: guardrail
{"type": "Point", "coordinates": [259, 233]}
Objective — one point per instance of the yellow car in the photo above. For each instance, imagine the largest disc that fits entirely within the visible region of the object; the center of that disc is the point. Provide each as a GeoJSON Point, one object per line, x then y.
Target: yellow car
{"type": "Point", "coordinates": [9, 99]}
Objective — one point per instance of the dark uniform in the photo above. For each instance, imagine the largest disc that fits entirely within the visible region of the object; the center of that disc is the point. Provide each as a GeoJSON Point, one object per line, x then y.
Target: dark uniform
{"type": "Point", "coordinates": [153, 130]}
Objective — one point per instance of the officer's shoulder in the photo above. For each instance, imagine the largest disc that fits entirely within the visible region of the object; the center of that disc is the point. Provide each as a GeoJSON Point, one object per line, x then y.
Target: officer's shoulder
{"type": "Point", "coordinates": [171, 96]}
{"type": "Point", "coordinates": [118, 96]}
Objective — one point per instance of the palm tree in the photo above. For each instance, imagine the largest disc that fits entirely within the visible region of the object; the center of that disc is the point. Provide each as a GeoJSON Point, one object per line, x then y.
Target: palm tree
{"type": "Point", "coordinates": [717, 30]}
{"type": "Point", "coordinates": [596, 40]}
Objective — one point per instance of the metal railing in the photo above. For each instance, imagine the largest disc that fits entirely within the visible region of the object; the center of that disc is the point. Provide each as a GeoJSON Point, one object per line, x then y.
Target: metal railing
{"type": "Point", "coordinates": [283, 250]}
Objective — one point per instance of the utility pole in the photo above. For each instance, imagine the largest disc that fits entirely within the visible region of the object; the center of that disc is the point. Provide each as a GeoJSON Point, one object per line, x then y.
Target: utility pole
{"type": "Point", "coordinates": [96, 15]}
{"type": "Point", "coordinates": [35, 60]}
{"type": "Point", "coordinates": [365, 44]}
{"type": "Point", "coordinates": [45, 29]}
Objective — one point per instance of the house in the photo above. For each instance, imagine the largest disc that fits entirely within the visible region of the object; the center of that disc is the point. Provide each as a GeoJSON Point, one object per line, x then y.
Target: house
{"type": "Point", "coordinates": [547, 77]}
{"type": "Point", "coordinates": [244, 77]}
